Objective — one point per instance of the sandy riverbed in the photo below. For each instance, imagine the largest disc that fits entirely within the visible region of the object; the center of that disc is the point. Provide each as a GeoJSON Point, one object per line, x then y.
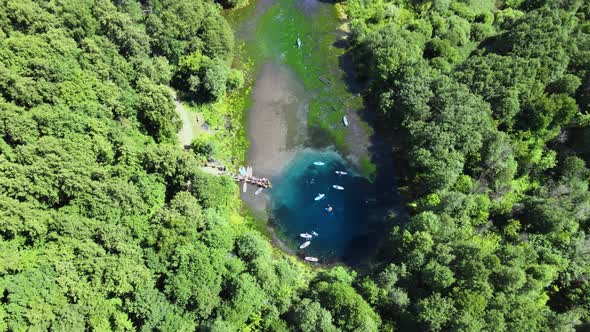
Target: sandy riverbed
{"type": "Point", "coordinates": [277, 124]}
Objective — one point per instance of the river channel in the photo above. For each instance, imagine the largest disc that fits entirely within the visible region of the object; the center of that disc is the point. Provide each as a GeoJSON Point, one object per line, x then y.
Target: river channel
{"type": "Point", "coordinates": [303, 87]}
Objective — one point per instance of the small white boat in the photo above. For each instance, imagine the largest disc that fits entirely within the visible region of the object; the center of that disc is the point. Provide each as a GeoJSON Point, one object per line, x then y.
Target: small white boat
{"type": "Point", "coordinates": [258, 191]}
{"type": "Point", "coordinates": [319, 163]}
{"type": "Point", "coordinates": [338, 187]}
{"type": "Point", "coordinates": [306, 235]}
{"type": "Point", "coordinates": [311, 259]}
{"type": "Point", "coordinates": [314, 233]}
{"type": "Point", "coordinates": [298, 43]}
{"type": "Point", "coordinates": [305, 244]}
{"type": "Point", "coordinates": [345, 120]}
{"type": "Point", "coordinates": [340, 173]}
{"type": "Point", "coordinates": [319, 196]}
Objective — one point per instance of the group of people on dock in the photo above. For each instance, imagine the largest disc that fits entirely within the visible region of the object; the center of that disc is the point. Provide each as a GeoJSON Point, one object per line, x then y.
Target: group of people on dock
{"type": "Point", "coordinates": [261, 182]}
{"type": "Point", "coordinates": [244, 175]}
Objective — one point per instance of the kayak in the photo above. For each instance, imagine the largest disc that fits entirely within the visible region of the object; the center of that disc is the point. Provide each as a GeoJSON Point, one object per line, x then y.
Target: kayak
{"type": "Point", "coordinates": [345, 121]}
{"type": "Point", "coordinates": [305, 245]}
{"type": "Point", "coordinates": [319, 196]}
{"type": "Point", "coordinates": [338, 187]}
{"type": "Point", "coordinates": [314, 233]}
{"type": "Point", "coordinates": [311, 259]}
{"type": "Point", "coordinates": [306, 236]}
{"type": "Point", "coordinates": [325, 80]}
{"type": "Point", "coordinates": [319, 163]}
{"type": "Point", "coordinates": [340, 173]}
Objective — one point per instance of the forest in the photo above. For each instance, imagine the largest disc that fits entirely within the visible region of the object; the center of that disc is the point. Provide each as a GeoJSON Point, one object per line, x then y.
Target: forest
{"type": "Point", "coordinates": [488, 104]}
{"type": "Point", "coordinates": [106, 224]}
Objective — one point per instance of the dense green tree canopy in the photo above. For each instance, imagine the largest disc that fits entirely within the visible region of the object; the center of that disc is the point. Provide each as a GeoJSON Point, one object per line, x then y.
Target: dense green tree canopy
{"type": "Point", "coordinates": [482, 97]}
{"type": "Point", "coordinates": [105, 224]}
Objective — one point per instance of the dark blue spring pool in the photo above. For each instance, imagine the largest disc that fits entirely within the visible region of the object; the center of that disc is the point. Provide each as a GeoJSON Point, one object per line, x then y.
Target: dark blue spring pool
{"type": "Point", "coordinates": [350, 231]}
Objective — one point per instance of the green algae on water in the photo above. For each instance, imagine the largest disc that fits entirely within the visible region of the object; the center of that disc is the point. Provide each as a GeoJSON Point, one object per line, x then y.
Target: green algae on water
{"type": "Point", "coordinates": [272, 36]}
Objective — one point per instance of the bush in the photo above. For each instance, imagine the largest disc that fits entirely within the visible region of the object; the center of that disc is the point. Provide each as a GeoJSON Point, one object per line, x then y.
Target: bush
{"type": "Point", "coordinates": [481, 31]}
{"type": "Point", "coordinates": [235, 80]}
{"type": "Point", "coordinates": [252, 245]}
{"type": "Point", "coordinates": [203, 146]}
{"type": "Point", "coordinates": [203, 78]}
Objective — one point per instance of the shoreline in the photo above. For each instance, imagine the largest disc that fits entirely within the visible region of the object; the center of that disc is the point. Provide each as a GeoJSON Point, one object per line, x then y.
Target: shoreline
{"type": "Point", "coordinates": [283, 118]}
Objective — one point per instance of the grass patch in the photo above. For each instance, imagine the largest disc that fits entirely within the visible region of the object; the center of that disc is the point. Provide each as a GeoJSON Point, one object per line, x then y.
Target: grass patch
{"type": "Point", "coordinates": [226, 121]}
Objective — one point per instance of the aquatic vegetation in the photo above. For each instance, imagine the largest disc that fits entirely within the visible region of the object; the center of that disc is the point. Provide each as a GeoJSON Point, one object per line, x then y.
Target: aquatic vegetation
{"type": "Point", "coordinates": [275, 38]}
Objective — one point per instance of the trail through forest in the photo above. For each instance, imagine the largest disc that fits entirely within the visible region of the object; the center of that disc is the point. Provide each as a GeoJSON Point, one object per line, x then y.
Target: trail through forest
{"type": "Point", "coordinates": [189, 128]}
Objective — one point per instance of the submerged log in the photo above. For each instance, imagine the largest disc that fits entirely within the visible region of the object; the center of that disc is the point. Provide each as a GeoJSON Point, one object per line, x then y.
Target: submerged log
{"type": "Point", "coordinates": [325, 80]}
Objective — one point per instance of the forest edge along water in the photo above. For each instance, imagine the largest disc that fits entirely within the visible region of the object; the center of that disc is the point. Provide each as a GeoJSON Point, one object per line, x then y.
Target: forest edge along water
{"type": "Point", "coordinates": [295, 54]}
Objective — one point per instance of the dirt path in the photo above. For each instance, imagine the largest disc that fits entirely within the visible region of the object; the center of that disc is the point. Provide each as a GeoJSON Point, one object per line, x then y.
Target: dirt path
{"type": "Point", "coordinates": [190, 128]}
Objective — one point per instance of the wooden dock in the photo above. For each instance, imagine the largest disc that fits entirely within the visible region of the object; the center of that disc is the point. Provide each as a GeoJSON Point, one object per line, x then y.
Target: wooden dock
{"type": "Point", "coordinates": [260, 182]}
{"type": "Point", "coordinates": [247, 178]}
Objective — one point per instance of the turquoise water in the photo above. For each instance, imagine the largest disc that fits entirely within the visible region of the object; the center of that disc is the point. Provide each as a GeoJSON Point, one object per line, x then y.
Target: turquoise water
{"type": "Point", "coordinates": [347, 234]}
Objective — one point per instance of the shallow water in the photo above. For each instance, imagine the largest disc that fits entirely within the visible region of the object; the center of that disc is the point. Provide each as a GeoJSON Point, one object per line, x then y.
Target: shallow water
{"type": "Point", "coordinates": [277, 126]}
